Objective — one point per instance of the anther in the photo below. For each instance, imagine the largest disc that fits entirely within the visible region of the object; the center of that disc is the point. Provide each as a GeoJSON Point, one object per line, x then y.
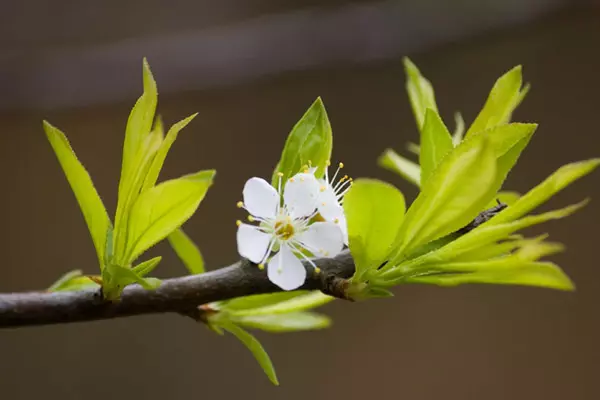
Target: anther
{"type": "Point", "coordinates": [261, 266]}
{"type": "Point", "coordinates": [251, 218]}
{"type": "Point", "coordinates": [317, 270]}
{"type": "Point", "coordinates": [238, 222]}
{"type": "Point", "coordinates": [328, 163]}
{"type": "Point", "coordinates": [337, 220]}
{"type": "Point", "coordinates": [280, 174]}
{"type": "Point", "coordinates": [322, 188]}
{"type": "Point", "coordinates": [239, 204]}
{"type": "Point", "coordinates": [341, 165]}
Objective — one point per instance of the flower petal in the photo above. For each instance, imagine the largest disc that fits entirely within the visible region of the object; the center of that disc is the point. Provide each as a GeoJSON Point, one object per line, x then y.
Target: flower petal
{"type": "Point", "coordinates": [322, 239]}
{"type": "Point", "coordinates": [301, 195]}
{"type": "Point", "coordinates": [285, 270]}
{"type": "Point", "coordinates": [260, 198]}
{"type": "Point", "coordinates": [328, 205]}
{"type": "Point", "coordinates": [252, 243]}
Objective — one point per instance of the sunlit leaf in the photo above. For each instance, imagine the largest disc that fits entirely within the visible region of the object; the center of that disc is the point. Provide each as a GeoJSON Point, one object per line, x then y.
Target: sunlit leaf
{"type": "Point", "coordinates": [255, 348]}
{"type": "Point", "coordinates": [164, 208]}
{"type": "Point", "coordinates": [374, 212]}
{"type": "Point", "coordinates": [436, 143]}
{"type": "Point", "coordinates": [145, 267]}
{"type": "Point", "coordinates": [72, 281]}
{"type": "Point", "coordinates": [289, 322]}
{"type": "Point", "coordinates": [420, 92]}
{"type": "Point", "coordinates": [89, 201]}
{"type": "Point", "coordinates": [187, 251]}
{"type": "Point", "coordinates": [310, 141]}
{"type": "Point", "coordinates": [407, 169]}
{"type": "Point", "coordinates": [115, 278]}
{"type": "Point", "coordinates": [277, 303]}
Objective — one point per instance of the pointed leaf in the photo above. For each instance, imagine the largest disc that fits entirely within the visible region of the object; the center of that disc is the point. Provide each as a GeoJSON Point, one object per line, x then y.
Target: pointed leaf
{"type": "Point", "coordinates": [187, 251]}
{"type": "Point", "coordinates": [504, 97]}
{"type": "Point", "coordinates": [290, 322]}
{"type": "Point", "coordinates": [72, 281]}
{"type": "Point", "coordinates": [407, 169]}
{"type": "Point", "coordinates": [310, 141]}
{"type": "Point", "coordinates": [374, 212]}
{"type": "Point", "coordinates": [255, 348]}
{"type": "Point", "coordinates": [89, 201]}
{"type": "Point", "coordinates": [436, 143]}
{"type": "Point", "coordinates": [420, 92]}
{"type": "Point", "coordinates": [145, 267]}
{"type": "Point", "coordinates": [162, 209]}
{"type": "Point", "coordinates": [278, 304]}
{"type": "Point", "coordinates": [116, 278]}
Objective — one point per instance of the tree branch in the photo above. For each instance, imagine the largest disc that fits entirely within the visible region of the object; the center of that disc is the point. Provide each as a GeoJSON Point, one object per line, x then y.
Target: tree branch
{"type": "Point", "coordinates": [181, 295]}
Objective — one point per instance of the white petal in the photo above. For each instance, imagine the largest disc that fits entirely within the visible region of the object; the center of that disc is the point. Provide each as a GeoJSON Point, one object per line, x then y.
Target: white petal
{"type": "Point", "coordinates": [260, 198]}
{"type": "Point", "coordinates": [301, 195]}
{"type": "Point", "coordinates": [344, 227]}
{"type": "Point", "coordinates": [328, 205]}
{"type": "Point", "coordinates": [322, 239]}
{"type": "Point", "coordinates": [285, 270]}
{"type": "Point", "coordinates": [252, 243]}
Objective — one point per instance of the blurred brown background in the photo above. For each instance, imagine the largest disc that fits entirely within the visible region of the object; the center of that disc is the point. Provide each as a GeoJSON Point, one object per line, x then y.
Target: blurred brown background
{"type": "Point", "coordinates": [251, 68]}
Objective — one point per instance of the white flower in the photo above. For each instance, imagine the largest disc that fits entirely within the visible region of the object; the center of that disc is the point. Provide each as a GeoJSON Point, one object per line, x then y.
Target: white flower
{"type": "Point", "coordinates": [286, 227]}
{"type": "Point", "coordinates": [331, 198]}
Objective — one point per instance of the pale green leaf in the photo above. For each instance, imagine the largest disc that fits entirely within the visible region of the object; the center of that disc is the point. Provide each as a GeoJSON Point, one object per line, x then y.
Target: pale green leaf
{"type": "Point", "coordinates": [374, 212]}
{"type": "Point", "coordinates": [277, 304]}
{"type": "Point", "coordinates": [259, 300]}
{"type": "Point", "coordinates": [162, 209]}
{"type": "Point", "coordinates": [560, 179]}
{"type": "Point", "coordinates": [420, 92]}
{"type": "Point", "coordinates": [289, 322]}
{"type": "Point", "coordinates": [407, 169]}
{"type": "Point", "coordinates": [452, 197]}
{"type": "Point", "coordinates": [115, 278]}
{"type": "Point", "coordinates": [145, 267]}
{"type": "Point", "coordinates": [161, 154]}
{"type": "Point", "coordinates": [436, 143]}
{"type": "Point", "coordinates": [309, 142]}
{"type": "Point", "coordinates": [187, 251]}
{"type": "Point", "coordinates": [72, 281]}
{"type": "Point", "coordinates": [89, 201]}
{"type": "Point", "coordinates": [503, 99]}
{"type": "Point", "coordinates": [255, 348]}
{"type": "Point", "coordinates": [505, 197]}
{"type": "Point", "coordinates": [413, 148]}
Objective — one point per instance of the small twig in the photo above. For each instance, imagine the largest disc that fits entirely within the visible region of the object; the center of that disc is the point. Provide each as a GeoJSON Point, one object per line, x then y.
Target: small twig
{"type": "Point", "coordinates": [179, 295]}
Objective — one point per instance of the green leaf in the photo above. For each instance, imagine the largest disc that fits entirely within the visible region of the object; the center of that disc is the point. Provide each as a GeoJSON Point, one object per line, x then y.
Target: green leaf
{"type": "Point", "coordinates": [560, 179]}
{"type": "Point", "coordinates": [115, 278]}
{"type": "Point", "coordinates": [255, 348]}
{"type": "Point", "coordinates": [436, 143]}
{"type": "Point", "coordinates": [72, 281]}
{"type": "Point", "coordinates": [276, 304]}
{"type": "Point", "coordinates": [164, 208]}
{"type": "Point", "coordinates": [187, 251]}
{"type": "Point", "coordinates": [310, 141]}
{"type": "Point", "coordinates": [407, 169]}
{"type": "Point", "coordinates": [506, 197]}
{"type": "Point", "coordinates": [413, 148]}
{"type": "Point", "coordinates": [459, 130]}
{"type": "Point", "coordinates": [374, 212]}
{"type": "Point", "coordinates": [260, 300]}
{"type": "Point", "coordinates": [452, 197]}
{"type": "Point", "coordinates": [541, 274]}
{"type": "Point", "coordinates": [89, 201]}
{"type": "Point", "coordinates": [420, 92]}
{"type": "Point", "coordinates": [145, 267]}
{"type": "Point", "coordinates": [504, 97]}
{"type": "Point", "coordinates": [161, 154]}
{"type": "Point", "coordinates": [290, 322]}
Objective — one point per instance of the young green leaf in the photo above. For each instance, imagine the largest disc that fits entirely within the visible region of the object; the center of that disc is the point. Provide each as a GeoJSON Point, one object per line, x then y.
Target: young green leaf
{"type": "Point", "coordinates": [89, 201]}
{"type": "Point", "coordinates": [290, 322]}
{"type": "Point", "coordinates": [255, 348]}
{"type": "Point", "coordinates": [145, 267]}
{"type": "Point", "coordinates": [187, 251]}
{"type": "Point", "coordinates": [72, 281]}
{"type": "Point", "coordinates": [420, 92]}
{"type": "Point", "coordinates": [162, 209]}
{"type": "Point", "coordinates": [504, 97]}
{"type": "Point", "coordinates": [560, 179]}
{"type": "Point", "coordinates": [374, 212]}
{"type": "Point", "coordinates": [310, 141]}
{"type": "Point", "coordinates": [407, 169]}
{"type": "Point", "coordinates": [459, 130]}
{"type": "Point", "coordinates": [436, 143]}
{"type": "Point", "coordinates": [458, 190]}
{"type": "Point", "coordinates": [276, 303]}
{"type": "Point", "coordinates": [505, 197]}
{"type": "Point", "coordinates": [115, 278]}
{"type": "Point", "coordinates": [161, 154]}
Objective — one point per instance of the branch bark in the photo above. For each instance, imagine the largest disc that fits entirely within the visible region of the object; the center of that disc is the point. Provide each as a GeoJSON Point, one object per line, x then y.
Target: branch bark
{"type": "Point", "coordinates": [181, 295]}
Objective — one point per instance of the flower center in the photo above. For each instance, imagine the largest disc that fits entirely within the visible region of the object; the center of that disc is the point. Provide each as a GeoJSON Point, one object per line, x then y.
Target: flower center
{"type": "Point", "coordinates": [284, 230]}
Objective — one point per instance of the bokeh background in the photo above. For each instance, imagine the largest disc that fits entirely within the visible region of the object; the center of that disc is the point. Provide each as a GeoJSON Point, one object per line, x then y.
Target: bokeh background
{"type": "Point", "coordinates": [251, 68]}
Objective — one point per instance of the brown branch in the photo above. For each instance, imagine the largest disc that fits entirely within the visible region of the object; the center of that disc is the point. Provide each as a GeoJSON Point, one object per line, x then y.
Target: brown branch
{"type": "Point", "coordinates": [179, 295]}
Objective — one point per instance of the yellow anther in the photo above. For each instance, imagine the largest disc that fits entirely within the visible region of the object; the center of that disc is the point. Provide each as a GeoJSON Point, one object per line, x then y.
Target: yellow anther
{"type": "Point", "coordinates": [322, 188]}
{"type": "Point", "coordinates": [238, 222]}
{"type": "Point", "coordinates": [306, 171]}
{"type": "Point", "coordinates": [317, 270]}
{"type": "Point", "coordinates": [323, 204]}
{"type": "Point", "coordinates": [280, 174]}
{"type": "Point", "coordinates": [301, 179]}
{"type": "Point", "coordinates": [328, 163]}
{"type": "Point", "coordinates": [337, 220]}
{"type": "Point", "coordinates": [326, 254]}
{"type": "Point", "coordinates": [261, 266]}
{"type": "Point", "coordinates": [291, 179]}
{"type": "Point", "coordinates": [279, 270]}
{"type": "Point", "coordinates": [251, 218]}
{"type": "Point", "coordinates": [239, 204]}
{"type": "Point", "coordinates": [288, 219]}
{"type": "Point", "coordinates": [341, 165]}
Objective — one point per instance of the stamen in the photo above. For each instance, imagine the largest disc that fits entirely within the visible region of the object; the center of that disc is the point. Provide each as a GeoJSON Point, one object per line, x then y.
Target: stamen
{"type": "Point", "coordinates": [322, 188]}
{"type": "Point", "coordinates": [291, 180]}
{"type": "Point", "coordinates": [341, 165]}
{"type": "Point", "coordinates": [337, 220]}
{"type": "Point", "coordinates": [239, 204]}
{"type": "Point", "coordinates": [251, 218]}
{"type": "Point", "coordinates": [317, 270]}
{"type": "Point", "coordinates": [238, 222]}
{"type": "Point", "coordinates": [261, 266]}
{"type": "Point", "coordinates": [328, 163]}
